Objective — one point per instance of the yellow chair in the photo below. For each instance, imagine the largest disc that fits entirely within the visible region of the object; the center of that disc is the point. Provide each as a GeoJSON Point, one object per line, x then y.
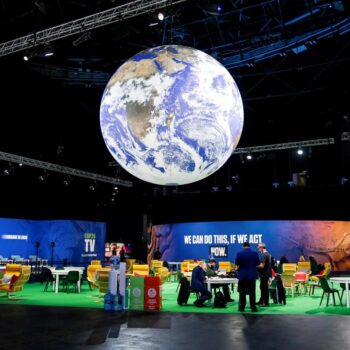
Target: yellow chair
{"type": "Point", "coordinates": [23, 275]}
{"type": "Point", "coordinates": [140, 270]}
{"type": "Point", "coordinates": [95, 262]}
{"type": "Point", "coordinates": [155, 265]}
{"type": "Point", "coordinates": [163, 273]}
{"type": "Point", "coordinates": [225, 265]}
{"type": "Point", "coordinates": [304, 266]}
{"type": "Point", "coordinates": [184, 266]}
{"type": "Point", "coordinates": [129, 264]}
{"type": "Point", "coordinates": [191, 266]}
{"type": "Point", "coordinates": [288, 281]}
{"type": "Point", "coordinates": [91, 271]}
{"type": "Point", "coordinates": [289, 268]}
{"type": "Point", "coordinates": [102, 279]}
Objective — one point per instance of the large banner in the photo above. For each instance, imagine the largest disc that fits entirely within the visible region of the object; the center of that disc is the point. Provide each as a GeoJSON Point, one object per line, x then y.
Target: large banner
{"type": "Point", "coordinates": [75, 241]}
{"type": "Point", "coordinates": [326, 240]}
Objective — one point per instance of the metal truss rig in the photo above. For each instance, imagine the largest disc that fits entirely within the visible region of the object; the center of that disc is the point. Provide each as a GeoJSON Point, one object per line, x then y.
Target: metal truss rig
{"type": "Point", "coordinates": [63, 169]}
{"type": "Point", "coordinates": [113, 15]}
{"type": "Point", "coordinates": [279, 146]}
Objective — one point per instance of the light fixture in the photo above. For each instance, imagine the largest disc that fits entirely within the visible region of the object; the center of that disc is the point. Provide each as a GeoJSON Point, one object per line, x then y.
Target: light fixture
{"type": "Point", "coordinates": [161, 16]}
{"type": "Point", "coordinates": [9, 170]}
{"type": "Point", "coordinates": [68, 181]}
{"type": "Point", "coordinates": [93, 187]}
{"type": "Point", "coordinates": [249, 157]}
{"type": "Point", "coordinates": [48, 51]}
{"type": "Point", "coordinates": [300, 152]}
{"type": "Point", "coordinates": [43, 176]}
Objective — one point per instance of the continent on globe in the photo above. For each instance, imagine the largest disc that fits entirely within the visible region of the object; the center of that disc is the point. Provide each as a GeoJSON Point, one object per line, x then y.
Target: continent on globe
{"type": "Point", "coordinates": [171, 115]}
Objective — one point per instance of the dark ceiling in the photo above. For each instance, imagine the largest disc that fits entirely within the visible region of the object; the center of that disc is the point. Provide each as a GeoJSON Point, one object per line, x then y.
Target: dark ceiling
{"type": "Point", "coordinates": [290, 60]}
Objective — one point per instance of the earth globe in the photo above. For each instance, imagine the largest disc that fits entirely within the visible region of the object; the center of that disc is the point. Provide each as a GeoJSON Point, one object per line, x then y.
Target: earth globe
{"type": "Point", "coordinates": [171, 115]}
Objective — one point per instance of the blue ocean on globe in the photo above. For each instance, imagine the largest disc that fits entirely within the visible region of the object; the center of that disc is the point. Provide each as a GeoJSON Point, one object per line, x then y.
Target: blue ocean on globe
{"type": "Point", "coordinates": [171, 115]}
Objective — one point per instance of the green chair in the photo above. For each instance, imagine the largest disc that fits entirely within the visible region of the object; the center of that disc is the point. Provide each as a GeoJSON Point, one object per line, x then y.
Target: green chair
{"type": "Point", "coordinates": [328, 290]}
{"type": "Point", "coordinates": [72, 279]}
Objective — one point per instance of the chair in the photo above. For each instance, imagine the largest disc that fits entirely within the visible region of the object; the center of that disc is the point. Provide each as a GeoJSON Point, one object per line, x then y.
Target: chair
{"type": "Point", "coordinates": [184, 266]}
{"type": "Point", "coordinates": [46, 276]}
{"type": "Point", "coordinates": [304, 266]}
{"type": "Point", "coordinates": [91, 271]}
{"type": "Point", "coordinates": [225, 265]}
{"type": "Point", "coordinates": [301, 281]}
{"type": "Point", "coordinates": [72, 279]}
{"type": "Point", "coordinates": [290, 268]}
{"type": "Point", "coordinates": [102, 280]}
{"type": "Point", "coordinates": [288, 281]}
{"type": "Point", "coordinates": [315, 279]}
{"type": "Point", "coordinates": [18, 279]}
{"type": "Point", "coordinates": [328, 290]}
{"type": "Point", "coordinates": [140, 270]}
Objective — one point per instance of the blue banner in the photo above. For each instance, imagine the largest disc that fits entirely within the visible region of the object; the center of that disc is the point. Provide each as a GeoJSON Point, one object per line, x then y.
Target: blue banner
{"type": "Point", "coordinates": [73, 240]}
{"type": "Point", "coordinates": [326, 240]}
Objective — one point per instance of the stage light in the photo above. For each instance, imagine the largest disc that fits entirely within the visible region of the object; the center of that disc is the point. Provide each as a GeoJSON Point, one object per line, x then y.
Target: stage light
{"type": "Point", "coordinates": [300, 152]}
{"type": "Point", "coordinates": [93, 187]}
{"type": "Point", "coordinates": [249, 157]}
{"type": "Point", "coordinates": [219, 7]}
{"type": "Point", "coordinates": [68, 181]}
{"type": "Point", "coordinates": [9, 170]}
{"type": "Point", "coordinates": [48, 51]}
{"type": "Point", "coordinates": [275, 185]}
{"type": "Point", "coordinates": [26, 58]}
{"type": "Point", "coordinates": [161, 16]}
{"type": "Point", "coordinates": [43, 176]}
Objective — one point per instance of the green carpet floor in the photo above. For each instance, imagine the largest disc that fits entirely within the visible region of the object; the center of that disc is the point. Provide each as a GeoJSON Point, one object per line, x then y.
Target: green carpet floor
{"type": "Point", "coordinates": [33, 294]}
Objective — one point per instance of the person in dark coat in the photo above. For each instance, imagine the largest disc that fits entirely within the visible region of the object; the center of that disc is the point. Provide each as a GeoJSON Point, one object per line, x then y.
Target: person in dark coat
{"type": "Point", "coordinates": [247, 262]}
{"type": "Point", "coordinates": [157, 254]}
{"type": "Point", "coordinates": [198, 284]}
{"type": "Point", "coordinates": [122, 254]}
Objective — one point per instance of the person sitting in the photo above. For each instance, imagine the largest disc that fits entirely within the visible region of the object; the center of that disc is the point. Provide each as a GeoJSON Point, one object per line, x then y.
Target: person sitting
{"type": "Point", "coordinates": [198, 284]}
{"type": "Point", "coordinates": [211, 272]}
{"type": "Point", "coordinates": [314, 267]}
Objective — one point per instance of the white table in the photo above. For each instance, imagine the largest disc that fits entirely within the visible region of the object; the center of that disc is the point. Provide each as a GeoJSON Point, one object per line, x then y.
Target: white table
{"type": "Point", "coordinates": [346, 281]}
{"type": "Point", "coordinates": [219, 280]}
{"type": "Point", "coordinates": [64, 272]}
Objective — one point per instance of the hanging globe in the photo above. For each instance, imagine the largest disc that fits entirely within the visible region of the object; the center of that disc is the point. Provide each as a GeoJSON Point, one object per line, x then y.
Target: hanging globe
{"type": "Point", "coordinates": [171, 115]}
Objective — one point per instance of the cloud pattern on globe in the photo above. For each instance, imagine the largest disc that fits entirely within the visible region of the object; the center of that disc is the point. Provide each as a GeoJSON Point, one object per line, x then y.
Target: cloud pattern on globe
{"type": "Point", "coordinates": [171, 115]}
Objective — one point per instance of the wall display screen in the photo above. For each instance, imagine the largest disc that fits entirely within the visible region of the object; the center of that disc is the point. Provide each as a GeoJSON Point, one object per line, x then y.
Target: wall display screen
{"type": "Point", "coordinates": [71, 240]}
{"type": "Point", "coordinates": [326, 240]}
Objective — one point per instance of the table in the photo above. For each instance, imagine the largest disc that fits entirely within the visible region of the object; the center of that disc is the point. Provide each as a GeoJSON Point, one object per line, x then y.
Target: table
{"type": "Point", "coordinates": [64, 272]}
{"type": "Point", "coordinates": [346, 281]}
{"type": "Point", "coordinates": [219, 280]}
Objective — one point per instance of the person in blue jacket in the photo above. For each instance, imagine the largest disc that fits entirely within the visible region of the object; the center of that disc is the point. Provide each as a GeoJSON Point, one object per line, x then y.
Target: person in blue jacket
{"type": "Point", "coordinates": [247, 261]}
{"type": "Point", "coordinates": [198, 284]}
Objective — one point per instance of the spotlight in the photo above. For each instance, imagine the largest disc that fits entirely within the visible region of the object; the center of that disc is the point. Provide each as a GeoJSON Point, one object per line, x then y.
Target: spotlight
{"type": "Point", "coordinates": [43, 176]}
{"type": "Point", "coordinates": [26, 58]}
{"type": "Point", "coordinates": [300, 152]}
{"type": "Point", "coordinates": [344, 181]}
{"type": "Point", "coordinates": [215, 189]}
{"type": "Point", "coordinates": [9, 170]}
{"type": "Point", "coordinates": [93, 187]}
{"type": "Point", "coordinates": [68, 181]}
{"type": "Point", "coordinates": [48, 51]}
{"type": "Point", "coordinates": [249, 157]}
{"type": "Point", "coordinates": [219, 8]}
{"type": "Point", "coordinates": [275, 185]}
{"type": "Point", "coordinates": [161, 16]}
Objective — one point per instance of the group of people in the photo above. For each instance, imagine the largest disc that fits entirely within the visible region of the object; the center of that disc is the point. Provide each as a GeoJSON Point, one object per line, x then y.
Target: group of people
{"type": "Point", "coordinates": [199, 274]}
{"type": "Point", "coordinates": [251, 266]}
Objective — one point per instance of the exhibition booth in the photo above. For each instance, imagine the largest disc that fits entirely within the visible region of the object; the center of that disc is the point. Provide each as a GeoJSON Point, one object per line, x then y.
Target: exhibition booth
{"type": "Point", "coordinates": [67, 246]}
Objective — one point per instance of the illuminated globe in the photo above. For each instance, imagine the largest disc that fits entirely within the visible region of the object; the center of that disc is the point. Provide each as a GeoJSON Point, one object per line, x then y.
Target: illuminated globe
{"type": "Point", "coordinates": [171, 115]}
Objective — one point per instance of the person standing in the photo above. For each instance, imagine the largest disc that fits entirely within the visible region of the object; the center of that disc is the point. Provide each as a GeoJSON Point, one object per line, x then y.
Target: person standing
{"type": "Point", "coordinates": [198, 284]}
{"type": "Point", "coordinates": [265, 273]}
{"type": "Point", "coordinates": [247, 262]}
{"type": "Point", "coordinates": [157, 254]}
{"type": "Point", "coordinates": [122, 254]}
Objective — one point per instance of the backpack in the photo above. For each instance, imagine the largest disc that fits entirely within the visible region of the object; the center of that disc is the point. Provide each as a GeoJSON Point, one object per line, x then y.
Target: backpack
{"type": "Point", "coordinates": [184, 292]}
{"type": "Point", "coordinates": [219, 299]}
